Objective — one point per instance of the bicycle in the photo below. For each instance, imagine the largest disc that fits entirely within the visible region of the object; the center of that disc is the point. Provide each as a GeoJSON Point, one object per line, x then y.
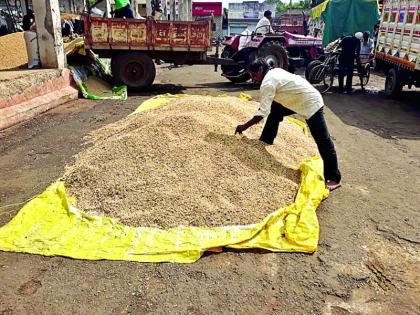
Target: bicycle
{"type": "Point", "coordinates": [321, 74]}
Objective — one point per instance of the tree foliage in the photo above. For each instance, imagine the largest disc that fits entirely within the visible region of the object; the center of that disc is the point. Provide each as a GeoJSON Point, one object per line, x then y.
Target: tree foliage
{"type": "Point", "coordinates": [281, 6]}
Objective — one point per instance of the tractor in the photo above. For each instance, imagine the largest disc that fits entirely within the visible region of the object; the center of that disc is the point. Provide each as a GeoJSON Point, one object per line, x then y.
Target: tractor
{"type": "Point", "coordinates": [280, 49]}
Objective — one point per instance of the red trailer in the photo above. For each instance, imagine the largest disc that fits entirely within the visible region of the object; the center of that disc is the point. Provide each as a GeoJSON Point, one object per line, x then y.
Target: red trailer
{"type": "Point", "coordinates": [133, 44]}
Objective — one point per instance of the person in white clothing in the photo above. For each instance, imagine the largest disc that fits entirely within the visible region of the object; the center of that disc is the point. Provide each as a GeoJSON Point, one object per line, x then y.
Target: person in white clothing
{"type": "Point", "coordinates": [366, 48]}
{"type": "Point", "coordinates": [283, 94]}
{"type": "Point", "coordinates": [264, 25]}
{"type": "Point", "coordinates": [245, 38]}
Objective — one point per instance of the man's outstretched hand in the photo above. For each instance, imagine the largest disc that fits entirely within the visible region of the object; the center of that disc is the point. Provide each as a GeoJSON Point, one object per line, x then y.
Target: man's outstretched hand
{"type": "Point", "coordinates": [254, 120]}
{"type": "Point", "coordinates": [240, 128]}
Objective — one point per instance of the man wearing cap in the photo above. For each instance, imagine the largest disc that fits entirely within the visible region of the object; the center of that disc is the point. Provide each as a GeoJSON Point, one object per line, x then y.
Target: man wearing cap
{"type": "Point", "coordinates": [264, 25]}
{"type": "Point", "coordinates": [283, 94]}
{"type": "Point", "coordinates": [350, 50]}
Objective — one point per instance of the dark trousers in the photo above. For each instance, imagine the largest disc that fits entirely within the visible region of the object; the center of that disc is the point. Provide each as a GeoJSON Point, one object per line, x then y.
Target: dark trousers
{"type": "Point", "coordinates": [125, 12]}
{"type": "Point", "coordinates": [319, 131]}
{"type": "Point", "coordinates": [345, 70]}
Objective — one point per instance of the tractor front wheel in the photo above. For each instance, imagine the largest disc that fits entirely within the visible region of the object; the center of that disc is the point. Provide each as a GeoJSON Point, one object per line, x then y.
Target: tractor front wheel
{"type": "Point", "coordinates": [236, 74]}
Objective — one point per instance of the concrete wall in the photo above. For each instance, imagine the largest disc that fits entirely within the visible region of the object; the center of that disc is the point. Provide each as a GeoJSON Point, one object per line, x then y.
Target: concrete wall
{"type": "Point", "coordinates": [241, 10]}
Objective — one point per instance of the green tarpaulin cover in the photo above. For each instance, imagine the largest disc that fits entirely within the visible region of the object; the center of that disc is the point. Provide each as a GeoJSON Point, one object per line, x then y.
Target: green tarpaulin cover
{"type": "Point", "coordinates": [346, 17]}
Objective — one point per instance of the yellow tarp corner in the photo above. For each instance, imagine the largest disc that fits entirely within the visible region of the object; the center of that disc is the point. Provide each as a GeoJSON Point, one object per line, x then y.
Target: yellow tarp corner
{"type": "Point", "coordinates": [51, 224]}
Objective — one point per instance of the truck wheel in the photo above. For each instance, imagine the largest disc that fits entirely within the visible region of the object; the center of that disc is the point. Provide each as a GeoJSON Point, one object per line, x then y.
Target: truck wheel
{"type": "Point", "coordinates": [310, 66]}
{"type": "Point", "coordinates": [134, 69]}
{"type": "Point", "coordinates": [274, 54]}
{"type": "Point", "coordinates": [393, 84]}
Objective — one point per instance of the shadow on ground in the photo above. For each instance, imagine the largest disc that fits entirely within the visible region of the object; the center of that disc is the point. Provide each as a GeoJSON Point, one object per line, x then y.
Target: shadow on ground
{"type": "Point", "coordinates": [387, 118]}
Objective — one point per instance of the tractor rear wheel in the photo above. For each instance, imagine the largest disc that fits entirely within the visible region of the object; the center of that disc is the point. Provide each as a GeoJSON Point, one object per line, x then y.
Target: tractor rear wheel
{"type": "Point", "coordinates": [274, 54]}
{"type": "Point", "coordinates": [134, 69]}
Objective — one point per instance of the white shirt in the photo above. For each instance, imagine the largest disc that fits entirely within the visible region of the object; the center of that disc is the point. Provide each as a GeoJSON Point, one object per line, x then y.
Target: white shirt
{"type": "Point", "coordinates": [263, 27]}
{"type": "Point", "coordinates": [291, 91]}
{"type": "Point", "coordinates": [366, 48]}
{"type": "Point", "coordinates": [245, 38]}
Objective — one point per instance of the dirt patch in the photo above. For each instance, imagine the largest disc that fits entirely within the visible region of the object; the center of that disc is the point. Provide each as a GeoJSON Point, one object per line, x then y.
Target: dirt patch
{"type": "Point", "coordinates": [13, 51]}
{"type": "Point", "coordinates": [392, 273]}
{"type": "Point", "coordinates": [29, 288]}
{"type": "Point", "coordinates": [181, 165]}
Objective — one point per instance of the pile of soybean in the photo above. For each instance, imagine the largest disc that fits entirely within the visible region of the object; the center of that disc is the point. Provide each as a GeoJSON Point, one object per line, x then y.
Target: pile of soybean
{"type": "Point", "coordinates": [181, 164]}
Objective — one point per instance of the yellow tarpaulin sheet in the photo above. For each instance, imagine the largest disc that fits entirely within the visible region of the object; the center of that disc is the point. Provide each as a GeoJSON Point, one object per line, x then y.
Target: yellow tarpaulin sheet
{"type": "Point", "coordinates": [50, 224]}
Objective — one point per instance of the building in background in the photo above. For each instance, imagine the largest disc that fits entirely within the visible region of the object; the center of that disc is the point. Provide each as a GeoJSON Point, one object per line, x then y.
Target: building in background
{"type": "Point", "coordinates": [293, 21]}
{"type": "Point", "coordinates": [202, 10]}
{"type": "Point", "coordinates": [139, 7]}
{"type": "Point", "coordinates": [247, 14]}
{"type": "Point", "coordinates": [178, 10]}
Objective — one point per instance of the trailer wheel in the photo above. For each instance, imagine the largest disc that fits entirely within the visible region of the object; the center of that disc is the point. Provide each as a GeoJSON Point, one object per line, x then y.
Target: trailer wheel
{"type": "Point", "coordinates": [274, 54]}
{"type": "Point", "coordinates": [135, 69]}
{"type": "Point", "coordinates": [393, 84]}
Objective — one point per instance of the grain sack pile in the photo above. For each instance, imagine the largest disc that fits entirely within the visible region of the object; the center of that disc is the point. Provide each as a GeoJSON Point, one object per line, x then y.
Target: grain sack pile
{"type": "Point", "coordinates": [12, 51]}
{"type": "Point", "coordinates": [180, 164]}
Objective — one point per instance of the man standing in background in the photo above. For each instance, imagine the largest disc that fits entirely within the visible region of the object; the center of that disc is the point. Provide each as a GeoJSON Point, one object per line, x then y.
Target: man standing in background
{"type": "Point", "coordinates": [350, 51]}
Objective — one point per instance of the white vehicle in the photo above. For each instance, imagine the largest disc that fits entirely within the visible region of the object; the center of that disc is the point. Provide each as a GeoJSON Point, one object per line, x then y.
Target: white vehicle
{"type": "Point", "coordinates": [398, 47]}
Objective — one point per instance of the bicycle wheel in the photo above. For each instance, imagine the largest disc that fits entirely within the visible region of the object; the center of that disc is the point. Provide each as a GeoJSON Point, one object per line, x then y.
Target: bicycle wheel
{"type": "Point", "coordinates": [366, 75]}
{"type": "Point", "coordinates": [326, 79]}
{"type": "Point", "coordinates": [316, 74]}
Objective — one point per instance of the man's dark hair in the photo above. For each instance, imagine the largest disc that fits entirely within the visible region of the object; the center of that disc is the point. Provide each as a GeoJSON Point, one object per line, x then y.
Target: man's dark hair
{"type": "Point", "coordinates": [366, 35]}
{"type": "Point", "coordinates": [267, 13]}
{"type": "Point", "coordinates": [257, 64]}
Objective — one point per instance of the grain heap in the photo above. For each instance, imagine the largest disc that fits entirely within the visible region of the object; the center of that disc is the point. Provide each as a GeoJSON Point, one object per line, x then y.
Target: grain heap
{"type": "Point", "coordinates": [98, 87]}
{"type": "Point", "coordinates": [180, 164]}
{"type": "Point", "coordinates": [12, 51]}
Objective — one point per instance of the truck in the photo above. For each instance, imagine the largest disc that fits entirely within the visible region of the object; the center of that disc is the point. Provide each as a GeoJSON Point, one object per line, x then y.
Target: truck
{"type": "Point", "coordinates": [134, 44]}
{"type": "Point", "coordinates": [398, 45]}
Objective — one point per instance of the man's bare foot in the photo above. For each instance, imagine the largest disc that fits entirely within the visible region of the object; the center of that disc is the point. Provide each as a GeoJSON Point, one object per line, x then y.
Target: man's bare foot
{"type": "Point", "coordinates": [332, 185]}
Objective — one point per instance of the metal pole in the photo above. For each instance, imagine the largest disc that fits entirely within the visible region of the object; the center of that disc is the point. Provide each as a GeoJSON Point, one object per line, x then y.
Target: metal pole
{"type": "Point", "coordinates": [12, 17]}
